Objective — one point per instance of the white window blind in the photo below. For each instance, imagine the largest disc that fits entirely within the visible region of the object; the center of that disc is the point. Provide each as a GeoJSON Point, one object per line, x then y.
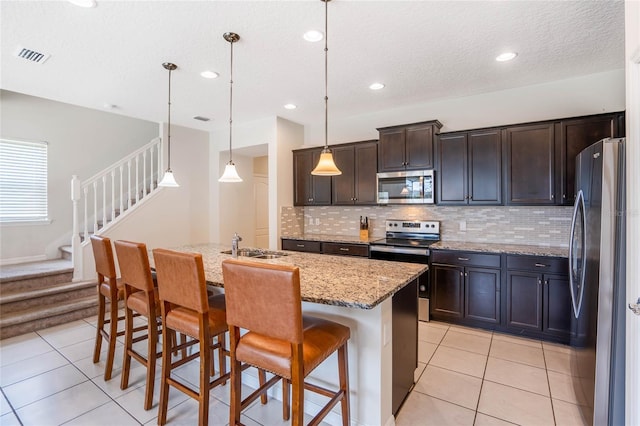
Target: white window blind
{"type": "Point", "coordinates": [23, 181]}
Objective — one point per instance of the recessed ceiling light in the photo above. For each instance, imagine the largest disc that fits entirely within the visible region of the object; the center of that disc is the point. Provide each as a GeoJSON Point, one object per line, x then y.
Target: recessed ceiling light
{"type": "Point", "coordinates": [376, 86]}
{"type": "Point", "coordinates": [209, 74]}
{"type": "Point", "coordinates": [84, 3]}
{"type": "Point", "coordinates": [507, 56]}
{"type": "Point", "coordinates": [313, 36]}
{"type": "Point", "coordinates": [290, 106]}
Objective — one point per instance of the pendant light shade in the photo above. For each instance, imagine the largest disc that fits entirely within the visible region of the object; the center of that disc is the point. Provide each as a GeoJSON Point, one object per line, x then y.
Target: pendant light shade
{"type": "Point", "coordinates": [326, 166]}
{"type": "Point", "coordinates": [230, 173]}
{"type": "Point", "coordinates": [168, 180]}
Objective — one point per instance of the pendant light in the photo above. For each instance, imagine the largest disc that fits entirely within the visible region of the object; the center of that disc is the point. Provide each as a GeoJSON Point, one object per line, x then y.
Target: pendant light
{"type": "Point", "coordinates": [168, 180]}
{"type": "Point", "coordinates": [230, 173]}
{"type": "Point", "coordinates": [326, 166]}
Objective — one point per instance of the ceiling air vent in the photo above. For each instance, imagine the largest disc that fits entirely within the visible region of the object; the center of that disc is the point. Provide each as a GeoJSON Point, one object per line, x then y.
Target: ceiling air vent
{"type": "Point", "coordinates": [31, 55]}
{"type": "Point", "coordinates": [201, 118]}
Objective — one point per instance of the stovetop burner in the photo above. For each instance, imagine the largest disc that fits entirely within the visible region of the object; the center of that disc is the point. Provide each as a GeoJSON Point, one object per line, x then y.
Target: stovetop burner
{"type": "Point", "coordinates": [410, 233]}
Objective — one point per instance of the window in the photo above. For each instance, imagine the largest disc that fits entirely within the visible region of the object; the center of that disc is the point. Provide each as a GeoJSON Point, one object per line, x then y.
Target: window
{"type": "Point", "coordinates": [23, 181]}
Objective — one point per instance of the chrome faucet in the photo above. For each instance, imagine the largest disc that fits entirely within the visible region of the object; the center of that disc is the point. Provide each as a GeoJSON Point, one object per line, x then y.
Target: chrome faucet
{"type": "Point", "coordinates": [235, 244]}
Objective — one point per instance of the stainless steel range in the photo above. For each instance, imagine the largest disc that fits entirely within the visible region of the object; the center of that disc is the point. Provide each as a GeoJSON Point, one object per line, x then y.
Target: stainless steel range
{"type": "Point", "coordinates": [409, 241]}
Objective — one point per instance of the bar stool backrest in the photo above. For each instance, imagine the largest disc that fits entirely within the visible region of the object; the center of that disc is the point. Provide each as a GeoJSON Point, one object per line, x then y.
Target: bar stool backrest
{"type": "Point", "coordinates": [264, 298]}
{"type": "Point", "coordinates": [134, 265]}
{"type": "Point", "coordinates": [181, 279]}
{"type": "Point", "coordinates": [103, 255]}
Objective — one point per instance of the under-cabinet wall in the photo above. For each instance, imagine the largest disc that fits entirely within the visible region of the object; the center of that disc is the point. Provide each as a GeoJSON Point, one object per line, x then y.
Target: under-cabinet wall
{"type": "Point", "coordinates": [540, 225]}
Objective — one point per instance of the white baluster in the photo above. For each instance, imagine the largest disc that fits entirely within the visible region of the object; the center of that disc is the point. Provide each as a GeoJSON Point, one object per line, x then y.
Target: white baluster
{"type": "Point", "coordinates": [159, 147]}
{"type": "Point", "coordinates": [129, 184]}
{"type": "Point", "coordinates": [104, 201]}
{"type": "Point", "coordinates": [144, 174]}
{"type": "Point", "coordinates": [137, 184]}
{"type": "Point", "coordinates": [113, 195]}
{"type": "Point", "coordinates": [95, 207]}
{"type": "Point", "coordinates": [121, 191]}
{"type": "Point", "coordinates": [151, 186]}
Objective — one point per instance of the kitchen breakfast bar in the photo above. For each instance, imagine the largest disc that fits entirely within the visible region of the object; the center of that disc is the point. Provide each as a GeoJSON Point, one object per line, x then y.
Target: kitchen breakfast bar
{"type": "Point", "coordinates": [377, 300]}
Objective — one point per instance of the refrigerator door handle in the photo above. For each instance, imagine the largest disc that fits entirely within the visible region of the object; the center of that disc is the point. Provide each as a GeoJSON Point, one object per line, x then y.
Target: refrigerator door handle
{"type": "Point", "coordinates": [576, 299]}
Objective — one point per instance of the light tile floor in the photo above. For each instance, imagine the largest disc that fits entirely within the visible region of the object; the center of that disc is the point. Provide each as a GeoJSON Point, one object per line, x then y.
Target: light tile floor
{"type": "Point", "coordinates": [465, 377]}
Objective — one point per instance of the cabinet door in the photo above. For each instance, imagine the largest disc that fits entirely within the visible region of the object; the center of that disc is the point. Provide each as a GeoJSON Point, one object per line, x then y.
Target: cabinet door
{"type": "Point", "coordinates": [447, 291]}
{"type": "Point", "coordinates": [485, 167]}
{"type": "Point", "coordinates": [302, 178]}
{"type": "Point", "coordinates": [482, 295]}
{"type": "Point", "coordinates": [391, 150]}
{"type": "Point", "coordinates": [451, 174]}
{"type": "Point", "coordinates": [576, 135]}
{"type": "Point", "coordinates": [557, 305]}
{"type": "Point", "coordinates": [524, 300]}
{"type": "Point", "coordinates": [343, 191]}
{"type": "Point", "coordinates": [320, 185]}
{"type": "Point", "coordinates": [530, 164]}
{"type": "Point", "coordinates": [366, 165]}
{"type": "Point", "coordinates": [419, 147]}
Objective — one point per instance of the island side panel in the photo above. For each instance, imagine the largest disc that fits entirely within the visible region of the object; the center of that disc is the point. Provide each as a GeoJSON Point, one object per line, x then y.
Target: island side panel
{"type": "Point", "coordinates": [370, 364]}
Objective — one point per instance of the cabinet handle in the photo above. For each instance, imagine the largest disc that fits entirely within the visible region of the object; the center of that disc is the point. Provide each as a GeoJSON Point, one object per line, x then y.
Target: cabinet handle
{"type": "Point", "coordinates": [539, 281]}
{"type": "Point", "coordinates": [553, 196]}
{"type": "Point", "coordinates": [463, 258]}
{"type": "Point", "coordinates": [546, 282]}
{"type": "Point", "coordinates": [461, 274]}
{"type": "Point", "coordinates": [300, 245]}
{"type": "Point", "coordinates": [466, 274]}
{"type": "Point", "coordinates": [541, 265]}
{"type": "Point", "coordinates": [344, 249]}
{"type": "Point", "coordinates": [564, 196]}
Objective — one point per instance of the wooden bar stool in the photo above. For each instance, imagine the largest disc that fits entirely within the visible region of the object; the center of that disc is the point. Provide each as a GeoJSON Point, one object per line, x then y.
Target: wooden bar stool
{"type": "Point", "coordinates": [109, 288]}
{"type": "Point", "coordinates": [140, 296]}
{"type": "Point", "coordinates": [265, 300]}
{"type": "Point", "coordinates": [186, 308]}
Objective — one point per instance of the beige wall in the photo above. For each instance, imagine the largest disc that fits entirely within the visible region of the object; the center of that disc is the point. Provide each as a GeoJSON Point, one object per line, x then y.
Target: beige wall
{"type": "Point", "coordinates": [82, 142]}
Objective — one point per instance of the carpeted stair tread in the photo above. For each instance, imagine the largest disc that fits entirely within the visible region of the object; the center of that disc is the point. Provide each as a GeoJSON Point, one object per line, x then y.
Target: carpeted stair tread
{"type": "Point", "coordinates": [16, 295]}
{"type": "Point", "coordinates": [40, 312]}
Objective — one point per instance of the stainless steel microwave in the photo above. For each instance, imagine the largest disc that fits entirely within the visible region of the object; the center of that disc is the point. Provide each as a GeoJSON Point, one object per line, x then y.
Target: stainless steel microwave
{"type": "Point", "coordinates": [408, 187]}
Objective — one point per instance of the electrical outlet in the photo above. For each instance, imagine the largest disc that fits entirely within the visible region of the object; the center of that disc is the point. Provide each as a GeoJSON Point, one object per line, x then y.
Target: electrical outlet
{"type": "Point", "coordinates": [310, 221]}
{"type": "Point", "coordinates": [317, 221]}
{"type": "Point", "coordinates": [463, 225]}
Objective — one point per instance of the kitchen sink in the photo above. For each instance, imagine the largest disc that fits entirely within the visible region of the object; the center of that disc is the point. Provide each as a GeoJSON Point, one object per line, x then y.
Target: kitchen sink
{"type": "Point", "coordinates": [257, 253]}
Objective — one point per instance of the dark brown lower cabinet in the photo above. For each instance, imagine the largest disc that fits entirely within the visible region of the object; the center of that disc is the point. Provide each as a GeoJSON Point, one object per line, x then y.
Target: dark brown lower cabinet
{"type": "Point", "coordinates": [538, 297]}
{"type": "Point", "coordinates": [467, 294]}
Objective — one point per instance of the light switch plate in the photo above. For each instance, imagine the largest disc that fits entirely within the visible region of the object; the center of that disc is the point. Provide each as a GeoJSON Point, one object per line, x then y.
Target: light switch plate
{"type": "Point", "coordinates": [463, 225]}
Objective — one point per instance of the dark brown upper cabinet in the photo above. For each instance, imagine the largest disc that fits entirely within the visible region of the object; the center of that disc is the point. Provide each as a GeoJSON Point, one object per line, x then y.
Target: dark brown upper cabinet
{"type": "Point", "coordinates": [358, 163]}
{"type": "Point", "coordinates": [529, 164]}
{"type": "Point", "coordinates": [309, 190]}
{"type": "Point", "coordinates": [573, 136]}
{"type": "Point", "coordinates": [469, 168]}
{"type": "Point", "coordinates": [407, 147]}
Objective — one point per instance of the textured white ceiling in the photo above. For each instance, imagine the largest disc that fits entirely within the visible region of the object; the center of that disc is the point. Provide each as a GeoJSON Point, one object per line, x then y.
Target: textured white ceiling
{"type": "Point", "coordinates": [421, 50]}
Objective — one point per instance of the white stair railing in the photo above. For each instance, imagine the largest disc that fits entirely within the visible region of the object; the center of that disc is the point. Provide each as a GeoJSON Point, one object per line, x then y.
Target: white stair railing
{"type": "Point", "coordinates": [108, 196]}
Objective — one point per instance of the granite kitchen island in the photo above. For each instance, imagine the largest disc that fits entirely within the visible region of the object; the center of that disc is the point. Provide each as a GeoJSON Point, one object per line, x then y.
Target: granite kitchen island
{"type": "Point", "coordinates": [375, 299]}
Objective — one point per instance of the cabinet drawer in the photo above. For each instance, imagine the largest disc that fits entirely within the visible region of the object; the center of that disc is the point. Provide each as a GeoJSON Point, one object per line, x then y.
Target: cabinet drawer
{"type": "Point", "coordinates": [301, 245]}
{"type": "Point", "coordinates": [543, 264]}
{"type": "Point", "coordinates": [346, 249]}
{"type": "Point", "coordinates": [465, 258]}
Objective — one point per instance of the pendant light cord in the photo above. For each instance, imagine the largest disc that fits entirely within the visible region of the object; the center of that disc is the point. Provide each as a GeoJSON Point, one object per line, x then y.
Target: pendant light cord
{"type": "Point", "coordinates": [169, 126]}
{"type": "Point", "coordinates": [326, 78]}
{"type": "Point", "coordinates": [231, 105]}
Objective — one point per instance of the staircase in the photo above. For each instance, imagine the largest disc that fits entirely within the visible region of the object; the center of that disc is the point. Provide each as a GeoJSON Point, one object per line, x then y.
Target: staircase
{"type": "Point", "coordinates": [38, 295]}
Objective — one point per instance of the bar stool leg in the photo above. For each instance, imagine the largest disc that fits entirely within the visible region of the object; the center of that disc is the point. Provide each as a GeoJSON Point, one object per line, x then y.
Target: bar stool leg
{"type": "Point", "coordinates": [113, 334]}
{"type": "Point", "coordinates": [343, 371]}
{"type": "Point", "coordinates": [286, 408]}
{"type": "Point", "coordinates": [262, 379]}
{"type": "Point", "coordinates": [222, 358]}
{"type": "Point", "coordinates": [152, 341]}
{"type": "Point", "coordinates": [297, 384]}
{"type": "Point", "coordinates": [128, 337]}
{"type": "Point", "coordinates": [99, 326]}
{"type": "Point", "coordinates": [167, 343]}
{"type": "Point", "coordinates": [205, 369]}
{"type": "Point", "coordinates": [236, 379]}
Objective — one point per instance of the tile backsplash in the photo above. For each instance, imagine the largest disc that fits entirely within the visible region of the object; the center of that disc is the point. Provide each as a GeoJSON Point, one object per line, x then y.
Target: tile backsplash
{"type": "Point", "coordinates": [541, 226]}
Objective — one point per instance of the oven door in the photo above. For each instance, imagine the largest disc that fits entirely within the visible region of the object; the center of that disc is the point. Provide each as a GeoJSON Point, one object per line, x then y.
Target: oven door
{"type": "Point", "coordinates": [414, 187]}
{"type": "Point", "coordinates": [409, 255]}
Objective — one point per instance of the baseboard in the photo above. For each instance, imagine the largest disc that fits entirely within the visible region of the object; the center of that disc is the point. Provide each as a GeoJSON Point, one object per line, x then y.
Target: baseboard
{"type": "Point", "coordinates": [18, 260]}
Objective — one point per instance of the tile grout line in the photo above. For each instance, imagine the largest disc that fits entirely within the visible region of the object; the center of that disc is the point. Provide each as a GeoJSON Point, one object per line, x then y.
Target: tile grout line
{"type": "Point", "coordinates": [13, 410]}
{"type": "Point", "coordinates": [484, 373]}
{"type": "Point", "coordinates": [546, 370]}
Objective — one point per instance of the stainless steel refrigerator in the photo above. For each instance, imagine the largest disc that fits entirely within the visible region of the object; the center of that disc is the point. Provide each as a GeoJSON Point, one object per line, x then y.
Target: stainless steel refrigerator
{"type": "Point", "coordinates": [597, 281]}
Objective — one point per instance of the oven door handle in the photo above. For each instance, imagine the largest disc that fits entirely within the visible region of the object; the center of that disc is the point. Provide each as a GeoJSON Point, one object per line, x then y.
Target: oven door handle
{"type": "Point", "coordinates": [400, 250]}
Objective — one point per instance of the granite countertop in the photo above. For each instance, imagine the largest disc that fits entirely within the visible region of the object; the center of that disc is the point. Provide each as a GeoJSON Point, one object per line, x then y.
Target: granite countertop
{"type": "Point", "coordinates": [350, 239]}
{"type": "Point", "coordinates": [502, 248]}
{"type": "Point", "coordinates": [331, 280]}
{"type": "Point", "coordinates": [449, 245]}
